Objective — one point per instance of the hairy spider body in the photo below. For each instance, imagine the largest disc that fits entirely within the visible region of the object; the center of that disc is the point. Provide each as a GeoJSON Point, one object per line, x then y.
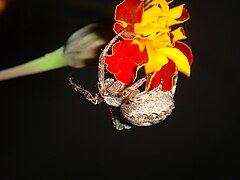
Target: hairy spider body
{"type": "Point", "coordinates": [138, 108]}
{"type": "Point", "coordinates": [148, 108]}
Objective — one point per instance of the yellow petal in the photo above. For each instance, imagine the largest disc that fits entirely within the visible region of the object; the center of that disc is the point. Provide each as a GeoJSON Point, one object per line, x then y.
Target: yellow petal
{"type": "Point", "coordinates": [150, 28]}
{"type": "Point", "coordinates": [176, 12]}
{"type": "Point", "coordinates": [178, 58]}
{"type": "Point", "coordinates": [164, 5]}
{"type": "Point", "coordinates": [155, 59]}
{"type": "Point", "coordinates": [178, 34]}
{"type": "Point", "coordinates": [152, 12]}
{"type": "Point", "coordinates": [140, 44]}
{"type": "Point", "coordinates": [163, 40]}
{"type": "Point", "coordinates": [175, 15]}
{"type": "Point", "coordinates": [154, 20]}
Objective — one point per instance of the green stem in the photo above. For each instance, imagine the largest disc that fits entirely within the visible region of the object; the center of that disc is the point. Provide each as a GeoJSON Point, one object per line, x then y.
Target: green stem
{"type": "Point", "coordinates": [47, 62]}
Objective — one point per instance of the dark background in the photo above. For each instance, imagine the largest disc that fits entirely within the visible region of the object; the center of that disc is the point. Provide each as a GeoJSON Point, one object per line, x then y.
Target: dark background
{"type": "Point", "coordinates": [48, 131]}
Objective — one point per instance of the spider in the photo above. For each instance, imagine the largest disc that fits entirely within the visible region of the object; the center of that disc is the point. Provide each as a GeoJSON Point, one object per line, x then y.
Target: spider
{"type": "Point", "coordinates": [128, 105]}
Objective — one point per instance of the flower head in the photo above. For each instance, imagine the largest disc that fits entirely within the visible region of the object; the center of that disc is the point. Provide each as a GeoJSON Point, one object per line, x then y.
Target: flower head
{"type": "Point", "coordinates": [150, 42]}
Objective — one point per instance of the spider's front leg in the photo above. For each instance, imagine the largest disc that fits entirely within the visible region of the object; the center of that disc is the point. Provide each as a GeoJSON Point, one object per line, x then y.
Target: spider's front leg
{"type": "Point", "coordinates": [134, 87]}
{"type": "Point", "coordinates": [85, 93]}
{"type": "Point", "coordinates": [133, 90]}
{"type": "Point", "coordinates": [101, 63]}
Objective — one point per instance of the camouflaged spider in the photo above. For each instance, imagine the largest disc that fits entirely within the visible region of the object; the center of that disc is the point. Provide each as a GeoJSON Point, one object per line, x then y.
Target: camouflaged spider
{"type": "Point", "coordinates": [127, 104]}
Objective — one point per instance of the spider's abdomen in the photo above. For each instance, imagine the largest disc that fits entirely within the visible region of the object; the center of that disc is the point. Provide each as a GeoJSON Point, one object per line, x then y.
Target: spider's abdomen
{"type": "Point", "coordinates": [148, 108]}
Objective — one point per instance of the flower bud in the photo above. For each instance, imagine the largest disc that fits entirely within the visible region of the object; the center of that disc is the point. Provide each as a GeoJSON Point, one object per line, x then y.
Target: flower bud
{"type": "Point", "coordinates": [82, 49]}
{"type": "Point", "coordinates": [83, 46]}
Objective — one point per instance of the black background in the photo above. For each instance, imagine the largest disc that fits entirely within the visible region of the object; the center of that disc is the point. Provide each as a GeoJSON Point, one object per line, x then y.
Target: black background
{"type": "Point", "coordinates": [48, 131]}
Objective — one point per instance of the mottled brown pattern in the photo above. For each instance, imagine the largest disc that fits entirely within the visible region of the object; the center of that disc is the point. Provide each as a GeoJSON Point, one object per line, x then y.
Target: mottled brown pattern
{"type": "Point", "coordinates": [127, 104]}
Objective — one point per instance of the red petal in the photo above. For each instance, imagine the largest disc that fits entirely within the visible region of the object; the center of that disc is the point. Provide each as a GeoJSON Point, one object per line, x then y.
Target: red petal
{"type": "Point", "coordinates": [125, 60]}
{"type": "Point", "coordinates": [166, 74]}
{"type": "Point", "coordinates": [186, 50]}
{"type": "Point", "coordinates": [130, 11]}
{"type": "Point", "coordinates": [129, 34]}
{"type": "Point", "coordinates": [184, 16]}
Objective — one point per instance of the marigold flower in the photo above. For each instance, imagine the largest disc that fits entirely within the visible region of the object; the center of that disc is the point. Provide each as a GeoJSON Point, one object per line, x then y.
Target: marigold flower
{"type": "Point", "coordinates": [149, 42]}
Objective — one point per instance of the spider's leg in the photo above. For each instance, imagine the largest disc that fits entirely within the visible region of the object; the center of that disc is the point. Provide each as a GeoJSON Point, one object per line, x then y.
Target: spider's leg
{"type": "Point", "coordinates": [174, 84]}
{"type": "Point", "coordinates": [175, 79]}
{"type": "Point", "coordinates": [117, 119]}
{"type": "Point", "coordinates": [134, 86]}
{"type": "Point", "coordinates": [85, 93]}
{"type": "Point", "coordinates": [101, 63]}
